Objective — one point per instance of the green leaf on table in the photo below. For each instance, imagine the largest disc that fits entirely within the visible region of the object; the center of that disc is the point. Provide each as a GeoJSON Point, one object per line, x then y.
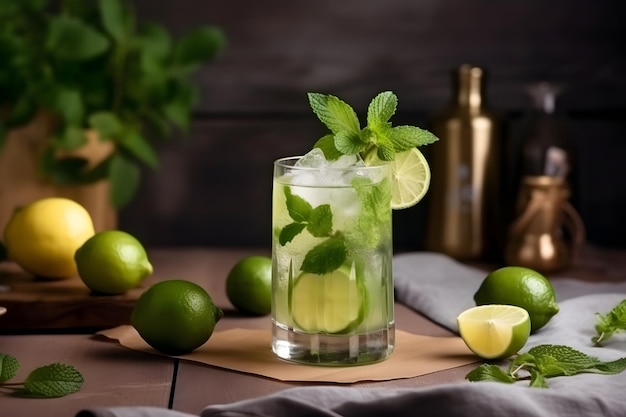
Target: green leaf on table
{"type": "Point", "coordinates": [51, 381]}
{"type": "Point", "coordinates": [73, 40]}
{"type": "Point", "coordinates": [610, 323]}
{"type": "Point", "coordinates": [326, 256]}
{"type": "Point", "coordinates": [558, 360]}
{"type": "Point", "coordinates": [9, 366]}
{"type": "Point", "coordinates": [489, 372]}
{"type": "Point", "coordinates": [547, 361]}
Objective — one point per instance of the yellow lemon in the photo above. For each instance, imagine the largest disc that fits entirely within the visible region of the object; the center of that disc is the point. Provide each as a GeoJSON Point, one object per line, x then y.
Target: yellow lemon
{"type": "Point", "coordinates": [43, 236]}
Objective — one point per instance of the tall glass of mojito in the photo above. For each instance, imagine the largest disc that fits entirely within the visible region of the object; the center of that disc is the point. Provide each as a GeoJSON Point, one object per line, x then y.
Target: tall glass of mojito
{"type": "Point", "coordinates": [332, 249]}
{"type": "Point", "coordinates": [332, 284]}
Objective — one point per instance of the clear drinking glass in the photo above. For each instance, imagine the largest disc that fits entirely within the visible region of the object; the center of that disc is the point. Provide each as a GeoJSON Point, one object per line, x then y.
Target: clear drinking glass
{"type": "Point", "coordinates": [332, 288]}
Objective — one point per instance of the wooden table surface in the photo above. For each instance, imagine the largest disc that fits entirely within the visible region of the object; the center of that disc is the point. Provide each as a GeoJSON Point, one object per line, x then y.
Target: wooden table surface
{"type": "Point", "coordinates": [116, 376]}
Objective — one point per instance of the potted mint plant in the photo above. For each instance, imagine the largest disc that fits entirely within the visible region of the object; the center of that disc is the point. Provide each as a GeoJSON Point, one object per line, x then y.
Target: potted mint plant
{"type": "Point", "coordinates": [90, 66]}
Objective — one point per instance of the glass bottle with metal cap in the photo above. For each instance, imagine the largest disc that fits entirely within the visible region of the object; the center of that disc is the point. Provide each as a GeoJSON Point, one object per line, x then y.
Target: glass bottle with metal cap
{"type": "Point", "coordinates": [466, 164]}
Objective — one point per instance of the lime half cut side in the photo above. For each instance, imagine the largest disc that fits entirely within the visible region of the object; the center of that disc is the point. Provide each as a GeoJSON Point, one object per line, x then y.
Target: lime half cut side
{"type": "Point", "coordinates": [333, 303]}
{"type": "Point", "coordinates": [410, 179]}
{"type": "Point", "coordinates": [494, 331]}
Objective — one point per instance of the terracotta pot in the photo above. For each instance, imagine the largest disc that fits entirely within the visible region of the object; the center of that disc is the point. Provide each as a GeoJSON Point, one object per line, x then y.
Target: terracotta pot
{"type": "Point", "coordinates": [21, 182]}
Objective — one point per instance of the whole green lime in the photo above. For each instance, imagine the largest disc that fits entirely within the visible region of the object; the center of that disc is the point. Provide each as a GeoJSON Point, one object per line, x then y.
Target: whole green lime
{"type": "Point", "coordinates": [522, 287]}
{"type": "Point", "coordinates": [175, 316]}
{"type": "Point", "coordinates": [249, 285]}
{"type": "Point", "coordinates": [112, 262]}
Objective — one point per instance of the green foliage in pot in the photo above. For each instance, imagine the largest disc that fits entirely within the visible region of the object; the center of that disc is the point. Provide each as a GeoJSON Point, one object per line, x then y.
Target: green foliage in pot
{"type": "Point", "coordinates": [92, 66]}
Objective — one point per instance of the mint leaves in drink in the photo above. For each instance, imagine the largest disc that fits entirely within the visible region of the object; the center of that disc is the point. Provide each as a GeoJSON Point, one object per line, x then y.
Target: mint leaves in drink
{"type": "Point", "coordinates": [377, 140]}
{"type": "Point", "coordinates": [50, 381]}
{"type": "Point", "coordinates": [610, 323]}
{"type": "Point", "coordinates": [545, 361]}
{"type": "Point", "coordinates": [328, 255]}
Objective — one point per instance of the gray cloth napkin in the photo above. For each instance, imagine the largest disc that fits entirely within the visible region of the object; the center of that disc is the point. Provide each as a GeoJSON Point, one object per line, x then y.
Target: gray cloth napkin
{"type": "Point", "coordinates": [440, 288]}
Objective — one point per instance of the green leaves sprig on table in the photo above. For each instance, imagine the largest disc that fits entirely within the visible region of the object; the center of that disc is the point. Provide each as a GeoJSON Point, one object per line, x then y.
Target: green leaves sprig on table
{"type": "Point", "coordinates": [609, 324]}
{"type": "Point", "coordinates": [90, 65]}
{"type": "Point", "coordinates": [545, 361]}
{"type": "Point", "coordinates": [50, 381]}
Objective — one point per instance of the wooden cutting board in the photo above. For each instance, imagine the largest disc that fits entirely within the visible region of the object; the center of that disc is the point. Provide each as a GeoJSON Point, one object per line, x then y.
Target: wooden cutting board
{"type": "Point", "coordinates": [37, 304]}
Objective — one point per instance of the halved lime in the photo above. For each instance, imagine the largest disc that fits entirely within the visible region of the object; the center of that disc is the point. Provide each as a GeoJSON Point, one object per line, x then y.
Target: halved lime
{"type": "Point", "coordinates": [410, 176]}
{"type": "Point", "coordinates": [330, 303]}
{"type": "Point", "coordinates": [494, 331]}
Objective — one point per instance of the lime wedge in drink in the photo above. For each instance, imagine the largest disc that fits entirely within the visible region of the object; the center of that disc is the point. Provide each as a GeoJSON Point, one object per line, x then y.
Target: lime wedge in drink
{"type": "Point", "coordinates": [330, 303]}
{"type": "Point", "coordinates": [495, 330]}
{"type": "Point", "coordinates": [410, 175]}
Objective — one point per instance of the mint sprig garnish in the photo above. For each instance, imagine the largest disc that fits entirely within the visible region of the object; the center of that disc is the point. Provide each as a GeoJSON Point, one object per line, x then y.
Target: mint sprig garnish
{"type": "Point", "coordinates": [609, 324]}
{"type": "Point", "coordinates": [546, 361]}
{"type": "Point", "coordinates": [378, 137]}
{"type": "Point", "coordinates": [49, 381]}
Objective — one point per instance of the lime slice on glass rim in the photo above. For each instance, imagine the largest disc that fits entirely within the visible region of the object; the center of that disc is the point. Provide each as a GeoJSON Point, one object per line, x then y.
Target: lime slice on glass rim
{"type": "Point", "coordinates": [494, 331]}
{"type": "Point", "coordinates": [410, 175]}
{"type": "Point", "coordinates": [332, 303]}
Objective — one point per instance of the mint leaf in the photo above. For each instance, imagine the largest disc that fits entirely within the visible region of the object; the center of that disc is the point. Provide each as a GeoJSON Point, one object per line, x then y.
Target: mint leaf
{"type": "Point", "coordinates": [375, 209]}
{"type": "Point", "coordinates": [299, 209]}
{"type": "Point", "coordinates": [546, 361]}
{"type": "Point", "coordinates": [537, 379]}
{"type": "Point", "coordinates": [609, 324]}
{"type": "Point", "coordinates": [326, 256]}
{"type": "Point", "coordinates": [348, 143]}
{"type": "Point", "coordinates": [289, 232]}
{"type": "Point", "coordinates": [381, 108]}
{"type": "Point", "coordinates": [407, 137]}
{"type": "Point", "coordinates": [51, 381]}
{"type": "Point", "coordinates": [327, 144]}
{"type": "Point", "coordinates": [321, 221]}
{"type": "Point", "coordinates": [337, 115]}
{"type": "Point", "coordinates": [558, 360]}
{"type": "Point", "coordinates": [386, 150]}
{"type": "Point", "coordinates": [489, 372]}
{"type": "Point", "coordinates": [609, 368]}
{"type": "Point", "coordinates": [8, 367]}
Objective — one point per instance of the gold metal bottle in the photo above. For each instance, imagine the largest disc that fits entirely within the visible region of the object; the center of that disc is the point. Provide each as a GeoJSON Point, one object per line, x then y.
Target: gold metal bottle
{"type": "Point", "coordinates": [466, 169]}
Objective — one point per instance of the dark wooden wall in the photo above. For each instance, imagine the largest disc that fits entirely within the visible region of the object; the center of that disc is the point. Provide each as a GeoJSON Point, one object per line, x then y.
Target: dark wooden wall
{"type": "Point", "coordinates": [213, 188]}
